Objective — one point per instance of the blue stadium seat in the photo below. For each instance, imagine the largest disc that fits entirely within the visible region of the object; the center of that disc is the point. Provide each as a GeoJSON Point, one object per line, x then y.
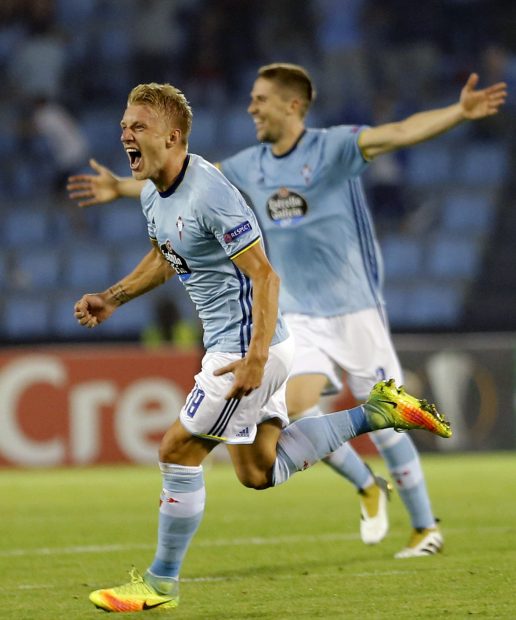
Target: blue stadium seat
{"type": "Point", "coordinates": [471, 212]}
{"type": "Point", "coordinates": [114, 44]}
{"type": "Point", "coordinates": [127, 256]}
{"type": "Point", "coordinates": [88, 267]}
{"type": "Point", "coordinates": [123, 222]}
{"type": "Point", "coordinates": [204, 131]}
{"type": "Point", "coordinates": [127, 321]}
{"type": "Point", "coordinates": [429, 164]}
{"type": "Point", "coordinates": [453, 257]}
{"type": "Point", "coordinates": [8, 141]}
{"type": "Point", "coordinates": [38, 267]}
{"type": "Point", "coordinates": [69, 13]}
{"type": "Point", "coordinates": [25, 228]}
{"type": "Point", "coordinates": [3, 270]}
{"type": "Point", "coordinates": [483, 164]}
{"type": "Point", "coordinates": [433, 305]}
{"type": "Point", "coordinates": [25, 316]}
{"type": "Point", "coordinates": [102, 129]}
{"type": "Point", "coordinates": [396, 300]}
{"type": "Point", "coordinates": [131, 319]}
{"type": "Point", "coordinates": [62, 323]}
{"type": "Point", "coordinates": [238, 129]}
{"type": "Point", "coordinates": [402, 255]}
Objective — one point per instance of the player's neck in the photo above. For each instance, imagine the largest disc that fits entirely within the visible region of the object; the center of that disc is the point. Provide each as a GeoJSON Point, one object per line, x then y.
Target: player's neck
{"type": "Point", "coordinates": [169, 174]}
{"type": "Point", "coordinates": [288, 140]}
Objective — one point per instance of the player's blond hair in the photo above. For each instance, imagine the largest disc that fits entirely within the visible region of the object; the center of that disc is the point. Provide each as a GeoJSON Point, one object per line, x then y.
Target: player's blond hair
{"type": "Point", "coordinates": [167, 100]}
{"type": "Point", "coordinates": [293, 77]}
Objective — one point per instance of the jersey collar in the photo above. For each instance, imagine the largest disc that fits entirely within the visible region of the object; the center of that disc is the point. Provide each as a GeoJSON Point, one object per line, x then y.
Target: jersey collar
{"type": "Point", "coordinates": [168, 192]}
{"type": "Point", "coordinates": [292, 148]}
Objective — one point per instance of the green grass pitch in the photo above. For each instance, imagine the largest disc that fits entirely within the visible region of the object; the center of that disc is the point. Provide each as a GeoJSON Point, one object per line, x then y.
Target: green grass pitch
{"type": "Point", "coordinates": [286, 553]}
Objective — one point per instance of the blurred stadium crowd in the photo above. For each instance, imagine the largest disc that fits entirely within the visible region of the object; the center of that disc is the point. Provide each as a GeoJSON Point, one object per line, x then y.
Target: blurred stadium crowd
{"type": "Point", "coordinates": [444, 210]}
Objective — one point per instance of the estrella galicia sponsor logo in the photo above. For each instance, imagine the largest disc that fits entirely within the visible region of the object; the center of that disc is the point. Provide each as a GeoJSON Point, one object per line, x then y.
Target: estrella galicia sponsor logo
{"type": "Point", "coordinates": [178, 262]}
{"type": "Point", "coordinates": [286, 208]}
{"type": "Point", "coordinates": [238, 231]}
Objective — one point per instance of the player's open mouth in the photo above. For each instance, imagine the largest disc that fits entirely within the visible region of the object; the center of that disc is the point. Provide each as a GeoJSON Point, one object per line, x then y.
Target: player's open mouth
{"type": "Point", "coordinates": [135, 158]}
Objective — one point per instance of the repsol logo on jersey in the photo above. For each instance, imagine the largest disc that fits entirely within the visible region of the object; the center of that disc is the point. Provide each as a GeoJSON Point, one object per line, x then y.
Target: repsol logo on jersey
{"type": "Point", "coordinates": [178, 262]}
{"type": "Point", "coordinates": [286, 207]}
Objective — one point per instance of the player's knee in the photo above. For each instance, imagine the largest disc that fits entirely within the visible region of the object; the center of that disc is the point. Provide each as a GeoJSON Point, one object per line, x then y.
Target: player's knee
{"type": "Point", "coordinates": [255, 478]}
{"type": "Point", "coordinates": [167, 454]}
{"type": "Point", "coordinates": [298, 404]}
{"type": "Point", "coordinates": [181, 448]}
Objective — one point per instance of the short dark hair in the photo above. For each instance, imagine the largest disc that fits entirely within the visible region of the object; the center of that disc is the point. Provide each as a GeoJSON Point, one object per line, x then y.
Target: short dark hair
{"type": "Point", "coordinates": [291, 76]}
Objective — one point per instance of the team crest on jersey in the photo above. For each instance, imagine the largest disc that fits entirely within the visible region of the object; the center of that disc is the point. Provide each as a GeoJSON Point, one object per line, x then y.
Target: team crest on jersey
{"type": "Point", "coordinates": [176, 260]}
{"type": "Point", "coordinates": [237, 231]}
{"type": "Point", "coordinates": [286, 207]}
{"type": "Point", "coordinates": [180, 226]}
{"type": "Point", "coordinates": [307, 173]}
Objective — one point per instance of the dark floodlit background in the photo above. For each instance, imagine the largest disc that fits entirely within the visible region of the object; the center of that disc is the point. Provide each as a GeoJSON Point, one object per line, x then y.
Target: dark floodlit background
{"type": "Point", "coordinates": [445, 211]}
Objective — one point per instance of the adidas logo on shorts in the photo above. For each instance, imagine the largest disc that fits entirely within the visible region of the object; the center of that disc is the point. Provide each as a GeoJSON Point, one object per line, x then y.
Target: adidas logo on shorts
{"type": "Point", "coordinates": [243, 433]}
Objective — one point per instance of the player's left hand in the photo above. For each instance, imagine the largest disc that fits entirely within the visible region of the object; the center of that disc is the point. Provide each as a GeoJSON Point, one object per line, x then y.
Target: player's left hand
{"type": "Point", "coordinates": [248, 376]}
{"type": "Point", "coordinates": [93, 189]}
{"type": "Point", "coordinates": [480, 103]}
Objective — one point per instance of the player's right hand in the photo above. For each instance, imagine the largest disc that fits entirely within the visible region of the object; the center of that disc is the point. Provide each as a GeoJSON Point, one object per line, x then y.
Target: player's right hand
{"type": "Point", "coordinates": [93, 189]}
{"type": "Point", "coordinates": [92, 309]}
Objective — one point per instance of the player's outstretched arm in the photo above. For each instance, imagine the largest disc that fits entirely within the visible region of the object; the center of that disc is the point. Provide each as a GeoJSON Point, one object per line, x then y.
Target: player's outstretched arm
{"type": "Point", "coordinates": [473, 104]}
{"type": "Point", "coordinates": [104, 186]}
{"type": "Point", "coordinates": [152, 271]}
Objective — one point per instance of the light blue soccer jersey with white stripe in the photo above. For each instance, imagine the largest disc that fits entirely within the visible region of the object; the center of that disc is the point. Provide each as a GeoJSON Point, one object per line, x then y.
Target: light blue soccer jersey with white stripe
{"type": "Point", "coordinates": [200, 223]}
{"type": "Point", "coordinates": [312, 210]}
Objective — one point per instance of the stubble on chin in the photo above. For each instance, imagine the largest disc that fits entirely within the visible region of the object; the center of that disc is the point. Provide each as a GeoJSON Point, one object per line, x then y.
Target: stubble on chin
{"type": "Point", "coordinates": [264, 136]}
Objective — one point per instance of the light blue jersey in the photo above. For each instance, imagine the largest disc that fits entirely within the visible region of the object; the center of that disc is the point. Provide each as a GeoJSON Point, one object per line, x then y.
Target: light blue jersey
{"type": "Point", "coordinates": [312, 209]}
{"type": "Point", "coordinates": [200, 224]}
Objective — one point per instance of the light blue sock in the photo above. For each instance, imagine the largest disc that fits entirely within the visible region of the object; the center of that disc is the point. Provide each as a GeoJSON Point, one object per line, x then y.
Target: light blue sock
{"type": "Point", "coordinates": [306, 441]}
{"type": "Point", "coordinates": [347, 463]}
{"type": "Point", "coordinates": [402, 459]}
{"type": "Point", "coordinates": [181, 511]}
{"type": "Point", "coordinates": [344, 460]}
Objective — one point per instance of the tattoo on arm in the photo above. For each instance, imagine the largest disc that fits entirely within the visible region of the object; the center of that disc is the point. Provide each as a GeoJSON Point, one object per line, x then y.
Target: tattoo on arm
{"type": "Point", "coordinates": [119, 294]}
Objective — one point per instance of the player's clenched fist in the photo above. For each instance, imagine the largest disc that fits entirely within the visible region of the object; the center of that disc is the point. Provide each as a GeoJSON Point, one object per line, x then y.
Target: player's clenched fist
{"type": "Point", "coordinates": [92, 309]}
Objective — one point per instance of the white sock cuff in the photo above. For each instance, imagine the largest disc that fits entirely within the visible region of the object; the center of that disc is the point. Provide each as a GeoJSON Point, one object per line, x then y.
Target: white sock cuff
{"type": "Point", "coordinates": [164, 577]}
{"type": "Point", "coordinates": [171, 468]}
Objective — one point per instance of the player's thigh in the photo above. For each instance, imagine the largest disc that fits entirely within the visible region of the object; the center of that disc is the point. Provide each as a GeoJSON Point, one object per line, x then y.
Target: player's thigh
{"type": "Point", "coordinates": [253, 462]}
{"type": "Point", "coordinates": [367, 353]}
{"type": "Point", "coordinates": [312, 362]}
{"type": "Point", "coordinates": [358, 343]}
{"type": "Point", "coordinates": [208, 414]}
{"type": "Point", "coordinates": [304, 392]}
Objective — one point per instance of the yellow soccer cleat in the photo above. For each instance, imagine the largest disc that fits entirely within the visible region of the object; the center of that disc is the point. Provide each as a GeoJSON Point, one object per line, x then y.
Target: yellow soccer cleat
{"type": "Point", "coordinates": [137, 595]}
{"type": "Point", "coordinates": [422, 543]}
{"type": "Point", "coordinates": [390, 406]}
{"type": "Point", "coordinates": [374, 519]}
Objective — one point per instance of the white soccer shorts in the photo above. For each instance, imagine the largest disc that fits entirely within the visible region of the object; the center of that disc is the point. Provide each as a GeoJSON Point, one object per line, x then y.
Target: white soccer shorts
{"type": "Point", "coordinates": [206, 412]}
{"type": "Point", "coordinates": [358, 343]}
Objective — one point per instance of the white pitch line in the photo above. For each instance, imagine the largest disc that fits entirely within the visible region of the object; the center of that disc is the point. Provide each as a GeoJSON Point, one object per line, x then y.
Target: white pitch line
{"type": "Point", "coordinates": [221, 542]}
{"type": "Point", "coordinates": [282, 577]}
{"type": "Point", "coordinates": [230, 542]}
